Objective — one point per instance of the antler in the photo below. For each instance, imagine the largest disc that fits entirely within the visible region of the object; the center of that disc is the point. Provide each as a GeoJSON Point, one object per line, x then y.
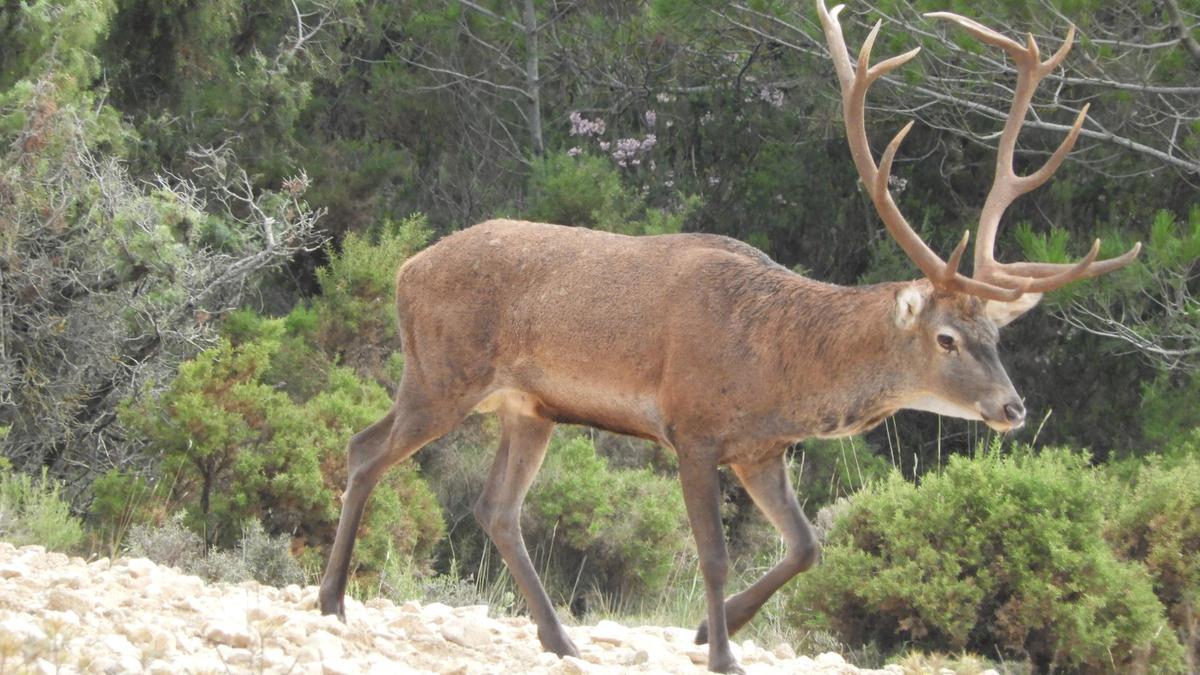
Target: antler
{"type": "Point", "coordinates": [993, 280]}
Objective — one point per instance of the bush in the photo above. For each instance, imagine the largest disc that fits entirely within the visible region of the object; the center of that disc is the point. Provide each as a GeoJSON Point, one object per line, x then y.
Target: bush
{"type": "Point", "coordinates": [584, 191]}
{"type": "Point", "coordinates": [171, 543]}
{"type": "Point", "coordinates": [34, 512]}
{"type": "Point", "coordinates": [121, 501]}
{"type": "Point", "coordinates": [826, 470]}
{"type": "Point", "coordinates": [354, 317]}
{"type": "Point", "coordinates": [996, 556]}
{"type": "Point", "coordinates": [1158, 524]}
{"type": "Point", "coordinates": [626, 525]}
{"type": "Point", "coordinates": [257, 555]}
{"type": "Point", "coordinates": [587, 191]}
{"type": "Point", "coordinates": [236, 447]}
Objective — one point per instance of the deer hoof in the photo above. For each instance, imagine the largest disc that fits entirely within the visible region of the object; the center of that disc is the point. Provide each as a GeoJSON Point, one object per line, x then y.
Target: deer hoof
{"type": "Point", "coordinates": [336, 606]}
{"type": "Point", "coordinates": [729, 666]}
{"type": "Point", "coordinates": [702, 633]}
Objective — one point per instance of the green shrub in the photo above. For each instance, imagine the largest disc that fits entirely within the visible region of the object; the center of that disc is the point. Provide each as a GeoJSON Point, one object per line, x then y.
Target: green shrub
{"type": "Point", "coordinates": [649, 529]}
{"type": "Point", "coordinates": [996, 555]}
{"type": "Point", "coordinates": [354, 318]}
{"type": "Point", "coordinates": [33, 511]}
{"type": "Point", "coordinates": [1169, 413]}
{"type": "Point", "coordinates": [627, 526]}
{"type": "Point", "coordinates": [584, 191]}
{"type": "Point", "coordinates": [238, 448]}
{"type": "Point", "coordinates": [587, 191]}
{"type": "Point", "coordinates": [574, 491]}
{"type": "Point", "coordinates": [825, 470]}
{"type": "Point", "coordinates": [1158, 524]}
{"type": "Point", "coordinates": [121, 501]}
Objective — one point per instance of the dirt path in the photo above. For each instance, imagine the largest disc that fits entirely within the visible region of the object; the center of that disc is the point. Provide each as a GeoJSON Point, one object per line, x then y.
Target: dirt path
{"type": "Point", "coordinates": [65, 615]}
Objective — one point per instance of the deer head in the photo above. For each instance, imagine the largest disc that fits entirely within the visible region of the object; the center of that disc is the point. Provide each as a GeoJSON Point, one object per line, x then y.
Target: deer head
{"type": "Point", "coordinates": [957, 316]}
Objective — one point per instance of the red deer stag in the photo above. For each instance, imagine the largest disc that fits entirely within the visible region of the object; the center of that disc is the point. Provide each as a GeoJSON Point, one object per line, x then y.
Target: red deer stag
{"type": "Point", "coordinates": [703, 344]}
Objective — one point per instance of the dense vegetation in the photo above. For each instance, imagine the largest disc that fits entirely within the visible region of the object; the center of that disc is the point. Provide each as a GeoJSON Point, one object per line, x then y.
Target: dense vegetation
{"type": "Point", "coordinates": [202, 206]}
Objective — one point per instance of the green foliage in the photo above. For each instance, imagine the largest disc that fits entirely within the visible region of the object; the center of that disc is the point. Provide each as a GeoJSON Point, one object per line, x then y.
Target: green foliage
{"type": "Point", "coordinates": [1159, 311]}
{"type": "Point", "coordinates": [1158, 524]}
{"type": "Point", "coordinates": [629, 523]}
{"type": "Point", "coordinates": [241, 449]}
{"type": "Point", "coordinates": [824, 470]}
{"type": "Point", "coordinates": [354, 316]}
{"type": "Point", "coordinates": [588, 191]}
{"type": "Point", "coordinates": [1169, 410]}
{"type": "Point", "coordinates": [574, 491]}
{"type": "Point", "coordinates": [33, 511]}
{"type": "Point", "coordinates": [108, 282]}
{"type": "Point", "coordinates": [996, 555]}
{"type": "Point", "coordinates": [584, 191]}
{"type": "Point", "coordinates": [123, 500]}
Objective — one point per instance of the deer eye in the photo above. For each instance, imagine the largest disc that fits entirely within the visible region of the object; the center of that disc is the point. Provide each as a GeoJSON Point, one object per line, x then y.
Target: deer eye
{"type": "Point", "coordinates": [946, 342]}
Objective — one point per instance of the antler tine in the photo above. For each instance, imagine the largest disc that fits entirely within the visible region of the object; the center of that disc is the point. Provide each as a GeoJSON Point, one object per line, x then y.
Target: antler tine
{"type": "Point", "coordinates": [1043, 277]}
{"type": "Point", "coordinates": [1042, 270]}
{"type": "Point", "coordinates": [1035, 180]}
{"type": "Point", "coordinates": [983, 33]}
{"type": "Point", "coordinates": [909, 240]}
{"type": "Point", "coordinates": [1007, 185]}
{"type": "Point", "coordinates": [956, 256]}
{"type": "Point", "coordinates": [854, 85]}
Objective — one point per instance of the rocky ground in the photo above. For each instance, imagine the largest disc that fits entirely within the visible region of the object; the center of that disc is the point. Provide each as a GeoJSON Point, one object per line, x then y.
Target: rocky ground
{"type": "Point", "coordinates": [66, 615]}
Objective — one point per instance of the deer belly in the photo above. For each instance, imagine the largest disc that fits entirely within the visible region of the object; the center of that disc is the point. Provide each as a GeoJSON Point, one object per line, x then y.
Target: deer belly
{"type": "Point", "coordinates": [601, 407]}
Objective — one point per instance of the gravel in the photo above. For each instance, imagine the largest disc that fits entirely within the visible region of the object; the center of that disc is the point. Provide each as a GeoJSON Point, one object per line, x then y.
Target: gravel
{"type": "Point", "coordinates": [65, 615]}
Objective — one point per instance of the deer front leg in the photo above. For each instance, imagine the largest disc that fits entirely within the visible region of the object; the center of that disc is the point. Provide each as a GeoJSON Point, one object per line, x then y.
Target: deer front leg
{"type": "Point", "coordinates": [522, 448]}
{"type": "Point", "coordinates": [702, 497]}
{"type": "Point", "coordinates": [771, 489]}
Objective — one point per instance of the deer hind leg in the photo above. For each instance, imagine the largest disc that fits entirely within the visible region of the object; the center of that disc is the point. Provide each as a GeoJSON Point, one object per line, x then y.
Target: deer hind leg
{"type": "Point", "coordinates": [523, 444]}
{"type": "Point", "coordinates": [771, 489]}
{"type": "Point", "coordinates": [412, 422]}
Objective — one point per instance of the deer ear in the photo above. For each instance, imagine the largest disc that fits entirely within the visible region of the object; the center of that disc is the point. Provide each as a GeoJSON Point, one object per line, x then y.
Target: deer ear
{"type": "Point", "coordinates": [1004, 313]}
{"type": "Point", "coordinates": [910, 301]}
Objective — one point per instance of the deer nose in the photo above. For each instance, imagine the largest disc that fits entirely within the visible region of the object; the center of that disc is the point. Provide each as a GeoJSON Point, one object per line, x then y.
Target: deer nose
{"type": "Point", "coordinates": [1014, 412]}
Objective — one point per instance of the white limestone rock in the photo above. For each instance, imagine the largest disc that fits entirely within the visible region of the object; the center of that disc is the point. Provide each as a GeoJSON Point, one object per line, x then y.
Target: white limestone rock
{"type": "Point", "coordinates": [226, 632]}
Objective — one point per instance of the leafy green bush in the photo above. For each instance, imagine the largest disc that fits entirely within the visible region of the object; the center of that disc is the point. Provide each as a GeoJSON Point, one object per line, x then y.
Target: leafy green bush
{"type": "Point", "coordinates": [34, 512]}
{"type": "Point", "coordinates": [121, 501]}
{"type": "Point", "coordinates": [354, 318]}
{"type": "Point", "coordinates": [587, 191]}
{"type": "Point", "coordinates": [574, 492]}
{"type": "Point", "coordinates": [626, 525]}
{"type": "Point", "coordinates": [995, 555]}
{"type": "Point", "coordinates": [238, 448]}
{"type": "Point", "coordinates": [1158, 524]}
{"type": "Point", "coordinates": [825, 470]}
{"type": "Point", "coordinates": [1169, 414]}
{"type": "Point", "coordinates": [584, 191]}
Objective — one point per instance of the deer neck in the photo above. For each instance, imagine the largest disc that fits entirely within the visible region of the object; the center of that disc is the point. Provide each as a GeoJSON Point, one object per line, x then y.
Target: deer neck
{"type": "Point", "coordinates": [847, 364]}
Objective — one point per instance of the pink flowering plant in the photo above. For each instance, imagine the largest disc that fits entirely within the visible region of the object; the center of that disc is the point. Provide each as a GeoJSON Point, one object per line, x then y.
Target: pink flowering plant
{"type": "Point", "coordinates": [628, 152]}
